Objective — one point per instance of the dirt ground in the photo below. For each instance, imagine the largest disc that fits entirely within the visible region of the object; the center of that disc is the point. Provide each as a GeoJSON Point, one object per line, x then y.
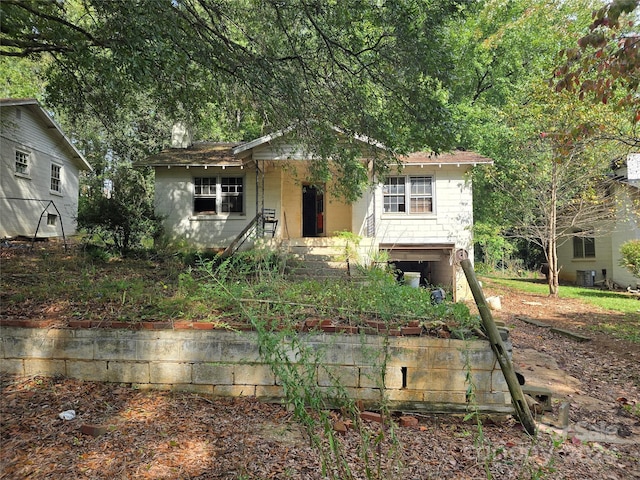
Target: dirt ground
{"type": "Point", "coordinates": [122, 433]}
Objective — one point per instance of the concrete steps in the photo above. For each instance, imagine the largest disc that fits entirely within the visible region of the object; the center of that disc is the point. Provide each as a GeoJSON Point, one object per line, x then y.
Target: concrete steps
{"type": "Point", "coordinates": [318, 258]}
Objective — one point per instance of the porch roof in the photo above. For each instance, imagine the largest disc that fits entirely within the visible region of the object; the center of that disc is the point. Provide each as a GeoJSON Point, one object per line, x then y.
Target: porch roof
{"type": "Point", "coordinates": [457, 157]}
{"type": "Point", "coordinates": [199, 154]}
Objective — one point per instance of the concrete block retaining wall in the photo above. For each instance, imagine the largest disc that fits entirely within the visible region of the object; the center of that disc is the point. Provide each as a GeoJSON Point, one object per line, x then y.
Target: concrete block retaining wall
{"type": "Point", "coordinates": [421, 373]}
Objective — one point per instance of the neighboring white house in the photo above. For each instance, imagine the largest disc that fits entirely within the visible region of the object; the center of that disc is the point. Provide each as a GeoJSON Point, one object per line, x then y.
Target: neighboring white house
{"type": "Point", "coordinates": [208, 193]}
{"type": "Point", "coordinates": [40, 173]}
{"type": "Point", "coordinates": [591, 260]}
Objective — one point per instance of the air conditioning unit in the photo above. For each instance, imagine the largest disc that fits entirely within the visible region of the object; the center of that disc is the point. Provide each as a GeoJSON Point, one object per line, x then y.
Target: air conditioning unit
{"type": "Point", "coordinates": [585, 278]}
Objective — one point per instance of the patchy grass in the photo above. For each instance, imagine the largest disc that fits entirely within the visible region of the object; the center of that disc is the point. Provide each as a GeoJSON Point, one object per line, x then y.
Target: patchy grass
{"type": "Point", "coordinates": [608, 300]}
{"type": "Point", "coordinates": [627, 307]}
{"type": "Point", "coordinates": [91, 285]}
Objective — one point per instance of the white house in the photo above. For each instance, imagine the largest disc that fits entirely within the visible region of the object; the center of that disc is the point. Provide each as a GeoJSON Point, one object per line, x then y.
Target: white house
{"type": "Point", "coordinates": [592, 260]}
{"type": "Point", "coordinates": [208, 193]}
{"type": "Point", "coordinates": [40, 173]}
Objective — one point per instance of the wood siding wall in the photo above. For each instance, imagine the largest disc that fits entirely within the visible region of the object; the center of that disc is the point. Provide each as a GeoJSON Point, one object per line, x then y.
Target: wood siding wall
{"type": "Point", "coordinates": [26, 132]}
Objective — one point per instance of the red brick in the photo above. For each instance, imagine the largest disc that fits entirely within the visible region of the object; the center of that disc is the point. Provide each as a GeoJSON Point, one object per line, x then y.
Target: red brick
{"type": "Point", "coordinates": [100, 324]}
{"type": "Point", "coordinates": [340, 427]}
{"type": "Point", "coordinates": [202, 326]}
{"type": "Point", "coordinates": [80, 323]}
{"type": "Point", "coordinates": [120, 325]}
{"type": "Point", "coordinates": [380, 326]}
{"type": "Point", "coordinates": [408, 421]}
{"type": "Point", "coordinates": [411, 330]}
{"type": "Point", "coordinates": [371, 416]}
{"type": "Point", "coordinates": [181, 325]}
{"type": "Point", "coordinates": [368, 330]}
{"type": "Point", "coordinates": [346, 329]}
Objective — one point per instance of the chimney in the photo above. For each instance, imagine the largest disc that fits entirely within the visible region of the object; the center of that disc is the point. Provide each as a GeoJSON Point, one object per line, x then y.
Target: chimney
{"type": "Point", "coordinates": [180, 135]}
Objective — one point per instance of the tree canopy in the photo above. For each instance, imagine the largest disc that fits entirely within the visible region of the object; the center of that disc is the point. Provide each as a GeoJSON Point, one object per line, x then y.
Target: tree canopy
{"type": "Point", "coordinates": [378, 69]}
{"type": "Point", "coordinates": [604, 65]}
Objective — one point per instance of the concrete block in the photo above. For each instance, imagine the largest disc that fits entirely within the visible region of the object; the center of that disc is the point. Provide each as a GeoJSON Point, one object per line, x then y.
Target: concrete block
{"type": "Point", "coordinates": [368, 395]}
{"type": "Point", "coordinates": [157, 349]}
{"type": "Point", "coordinates": [190, 387]}
{"type": "Point", "coordinates": [498, 382]}
{"type": "Point", "coordinates": [87, 370]}
{"type": "Point", "coordinates": [234, 390]}
{"type": "Point", "coordinates": [490, 398]}
{"type": "Point", "coordinates": [213, 373]}
{"type": "Point", "coordinates": [371, 377]}
{"type": "Point", "coordinates": [408, 357]}
{"type": "Point", "coordinates": [435, 380]}
{"type": "Point", "coordinates": [338, 354]}
{"type": "Point", "coordinates": [405, 395]}
{"type": "Point", "coordinates": [240, 352]}
{"type": "Point", "coordinates": [38, 366]}
{"type": "Point", "coordinates": [198, 350]}
{"type": "Point", "coordinates": [253, 374]}
{"type": "Point", "coordinates": [269, 391]}
{"type": "Point", "coordinates": [30, 347]}
{"type": "Point", "coordinates": [128, 372]}
{"type": "Point", "coordinates": [344, 375]}
{"type": "Point", "coordinates": [116, 348]}
{"type": "Point", "coordinates": [169, 372]}
{"type": "Point", "coordinates": [12, 366]}
{"type": "Point", "coordinates": [445, 397]}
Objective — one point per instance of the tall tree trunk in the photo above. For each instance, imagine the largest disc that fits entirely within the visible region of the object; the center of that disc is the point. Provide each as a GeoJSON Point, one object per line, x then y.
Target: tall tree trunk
{"type": "Point", "coordinates": [552, 245]}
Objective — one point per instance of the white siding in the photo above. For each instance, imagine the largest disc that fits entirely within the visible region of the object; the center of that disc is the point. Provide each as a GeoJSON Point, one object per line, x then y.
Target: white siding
{"type": "Point", "coordinates": [607, 247]}
{"type": "Point", "coordinates": [23, 199]}
{"type": "Point", "coordinates": [627, 228]}
{"type": "Point", "coordinates": [451, 221]}
{"type": "Point", "coordinates": [174, 202]}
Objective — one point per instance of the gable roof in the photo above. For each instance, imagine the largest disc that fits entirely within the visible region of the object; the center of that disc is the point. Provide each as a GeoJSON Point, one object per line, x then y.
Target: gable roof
{"type": "Point", "coordinates": [34, 106]}
{"type": "Point", "coordinates": [233, 154]}
{"type": "Point", "coordinates": [199, 154]}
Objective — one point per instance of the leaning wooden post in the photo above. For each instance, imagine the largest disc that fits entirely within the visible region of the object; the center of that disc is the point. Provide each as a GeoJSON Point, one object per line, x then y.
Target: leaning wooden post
{"type": "Point", "coordinates": [521, 406]}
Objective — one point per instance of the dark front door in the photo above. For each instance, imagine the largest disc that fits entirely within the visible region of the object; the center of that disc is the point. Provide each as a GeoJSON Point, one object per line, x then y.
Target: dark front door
{"type": "Point", "coordinates": [312, 211]}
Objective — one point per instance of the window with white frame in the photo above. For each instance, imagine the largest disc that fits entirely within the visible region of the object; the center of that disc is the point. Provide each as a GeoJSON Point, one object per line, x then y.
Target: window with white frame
{"type": "Point", "coordinates": [52, 219]}
{"type": "Point", "coordinates": [215, 195]}
{"type": "Point", "coordinates": [584, 245]}
{"type": "Point", "coordinates": [22, 162]}
{"type": "Point", "coordinates": [56, 178]}
{"type": "Point", "coordinates": [410, 194]}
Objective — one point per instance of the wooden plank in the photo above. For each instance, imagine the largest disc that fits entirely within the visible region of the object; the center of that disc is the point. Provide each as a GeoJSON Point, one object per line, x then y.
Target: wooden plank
{"type": "Point", "coordinates": [572, 335]}
{"type": "Point", "coordinates": [531, 321]}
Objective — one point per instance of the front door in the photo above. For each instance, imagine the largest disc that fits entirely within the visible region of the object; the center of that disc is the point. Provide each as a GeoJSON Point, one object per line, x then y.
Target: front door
{"type": "Point", "coordinates": [312, 211]}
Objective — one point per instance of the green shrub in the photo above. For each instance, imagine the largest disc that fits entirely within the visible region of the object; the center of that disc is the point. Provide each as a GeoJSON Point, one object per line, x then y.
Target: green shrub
{"type": "Point", "coordinates": [630, 252]}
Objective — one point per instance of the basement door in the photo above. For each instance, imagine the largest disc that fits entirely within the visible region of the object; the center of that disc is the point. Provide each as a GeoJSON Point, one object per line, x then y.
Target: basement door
{"type": "Point", "coordinates": [312, 211]}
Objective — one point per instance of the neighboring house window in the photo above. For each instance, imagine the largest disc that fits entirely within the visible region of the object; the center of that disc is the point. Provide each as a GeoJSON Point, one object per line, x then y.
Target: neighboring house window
{"type": "Point", "coordinates": [584, 246]}
{"type": "Point", "coordinates": [52, 219]}
{"type": "Point", "coordinates": [214, 195]}
{"type": "Point", "coordinates": [56, 178]}
{"type": "Point", "coordinates": [414, 192]}
{"type": "Point", "coordinates": [22, 162]}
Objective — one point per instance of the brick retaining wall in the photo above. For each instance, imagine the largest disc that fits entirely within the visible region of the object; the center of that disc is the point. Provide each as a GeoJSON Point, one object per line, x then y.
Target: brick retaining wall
{"type": "Point", "coordinates": [422, 373]}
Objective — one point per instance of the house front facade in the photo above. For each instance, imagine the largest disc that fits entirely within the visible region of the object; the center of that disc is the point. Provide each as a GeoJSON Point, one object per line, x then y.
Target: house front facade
{"type": "Point", "coordinates": [419, 216]}
{"type": "Point", "coordinates": [39, 183]}
{"type": "Point", "coordinates": [594, 259]}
